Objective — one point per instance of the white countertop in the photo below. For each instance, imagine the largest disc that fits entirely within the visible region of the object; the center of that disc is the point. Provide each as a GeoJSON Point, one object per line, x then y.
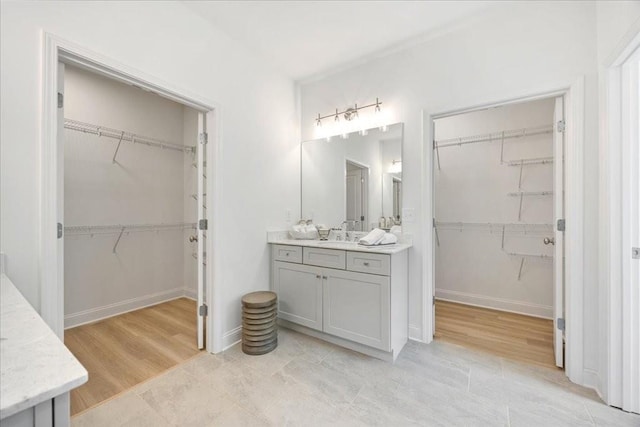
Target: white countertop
{"type": "Point", "coordinates": [35, 366]}
{"type": "Point", "coordinates": [345, 246]}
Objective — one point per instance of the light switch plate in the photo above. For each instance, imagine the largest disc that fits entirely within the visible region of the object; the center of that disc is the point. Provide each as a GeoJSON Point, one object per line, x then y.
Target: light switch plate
{"type": "Point", "coordinates": [408, 215]}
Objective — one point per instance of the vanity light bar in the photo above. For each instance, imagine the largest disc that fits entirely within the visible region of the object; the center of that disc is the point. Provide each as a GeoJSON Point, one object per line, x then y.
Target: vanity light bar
{"type": "Point", "coordinates": [349, 113]}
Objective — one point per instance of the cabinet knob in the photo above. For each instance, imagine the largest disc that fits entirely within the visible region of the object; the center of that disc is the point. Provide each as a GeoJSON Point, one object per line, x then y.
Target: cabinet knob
{"type": "Point", "coordinates": [286, 254]}
{"type": "Point", "coordinates": [366, 264]}
{"type": "Point", "coordinates": [317, 276]}
{"type": "Point", "coordinates": [324, 277]}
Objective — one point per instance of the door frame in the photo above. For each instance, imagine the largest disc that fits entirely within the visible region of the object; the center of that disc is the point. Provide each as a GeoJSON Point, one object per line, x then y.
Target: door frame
{"type": "Point", "coordinates": [573, 94]}
{"type": "Point", "coordinates": [55, 50]}
{"type": "Point", "coordinates": [617, 320]}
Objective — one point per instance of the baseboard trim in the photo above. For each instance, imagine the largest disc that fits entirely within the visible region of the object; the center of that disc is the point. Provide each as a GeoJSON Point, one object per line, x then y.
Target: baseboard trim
{"type": "Point", "coordinates": [415, 333]}
{"type": "Point", "coordinates": [191, 294]}
{"type": "Point", "coordinates": [519, 307]}
{"type": "Point", "coordinates": [231, 338]}
{"type": "Point", "coordinates": [591, 379]}
{"type": "Point", "coordinates": [121, 307]}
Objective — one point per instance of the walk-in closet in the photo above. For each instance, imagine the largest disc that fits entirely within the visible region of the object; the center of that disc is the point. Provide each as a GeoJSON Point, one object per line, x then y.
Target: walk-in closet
{"type": "Point", "coordinates": [132, 199]}
{"type": "Point", "coordinates": [497, 192]}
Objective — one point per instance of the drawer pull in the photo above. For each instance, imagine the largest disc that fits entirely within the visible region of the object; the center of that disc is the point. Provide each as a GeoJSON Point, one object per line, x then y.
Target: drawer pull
{"type": "Point", "coordinates": [286, 254]}
{"type": "Point", "coordinates": [366, 264]}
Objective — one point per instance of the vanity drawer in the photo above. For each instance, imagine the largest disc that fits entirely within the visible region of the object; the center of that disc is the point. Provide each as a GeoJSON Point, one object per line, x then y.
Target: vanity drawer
{"type": "Point", "coordinates": [332, 258]}
{"type": "Point", "coordinates": [287, 253]}
{"type": "Point", "coordinates": [369, 263]}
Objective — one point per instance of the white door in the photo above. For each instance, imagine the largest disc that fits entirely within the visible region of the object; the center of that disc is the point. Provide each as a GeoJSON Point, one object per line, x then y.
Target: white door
{"type": "Point", "coordinates": [631, 234]}
{"type": "Point", "coordinates": [356, 195]}
{"type": "Point", "coordinates": [202, 225]}
{"type": "Point", "coordinates": [60, 199]}
{"type": "Point", "coordinates": [558, 214]}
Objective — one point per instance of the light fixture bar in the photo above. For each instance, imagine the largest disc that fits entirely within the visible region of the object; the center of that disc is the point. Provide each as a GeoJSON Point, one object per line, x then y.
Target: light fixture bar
{"type": "Point", "coordinates": [350, 110]}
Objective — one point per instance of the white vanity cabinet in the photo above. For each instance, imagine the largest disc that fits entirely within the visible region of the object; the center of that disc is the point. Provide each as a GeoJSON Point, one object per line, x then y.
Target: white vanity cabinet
{"type": "Point", "coordinates": [352, 298]}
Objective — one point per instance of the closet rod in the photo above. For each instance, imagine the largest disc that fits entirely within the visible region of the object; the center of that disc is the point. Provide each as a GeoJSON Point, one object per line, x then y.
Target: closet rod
{"type": "Point", "coordinates": [491, 137]}
{"type": "Point", "coordinates": [121, 135]}
{"type": "Point", "coordinates": [125, 228]}
{"type": "Point", "coordinates": [530, 255]}
{"type": "Point", "coordinates": [530, 193]}
{"type": "Point", "coordinates": [498, 226]}
{"type": "Point", "coordinates": [532, 161]}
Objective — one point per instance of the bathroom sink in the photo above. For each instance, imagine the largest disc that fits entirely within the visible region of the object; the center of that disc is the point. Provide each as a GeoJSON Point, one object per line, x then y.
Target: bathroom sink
{"type": "Point", "coordinates": [338, 244]}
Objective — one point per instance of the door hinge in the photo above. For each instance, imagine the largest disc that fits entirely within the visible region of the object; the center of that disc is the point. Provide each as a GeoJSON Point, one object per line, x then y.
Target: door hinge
{"type": "Point", "coordinates": [635, 253]}
{"type": "Point", "coordinates": [60, 100]}
{"type": "Point", "coordinates": [203, 310]}
{"type": "Point", "coordinates": [60, 230]}
{"type": "Point", "coordinates": [203, 224]}
{"type": "Point", "coordinates": [561, 125]}
{"type": "Point", "coordinates": [562, 225]}
{"type": "Point", "coordinates": [204, 138]}
{"type": "Point", "coordinates": [560, 323]}
{"type": "Point", "coordinates": [433, 301]}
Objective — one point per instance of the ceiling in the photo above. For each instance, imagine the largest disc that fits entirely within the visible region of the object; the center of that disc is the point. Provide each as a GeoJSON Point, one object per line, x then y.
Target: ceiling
{"type": "Point", "coordinates": [306, 38]}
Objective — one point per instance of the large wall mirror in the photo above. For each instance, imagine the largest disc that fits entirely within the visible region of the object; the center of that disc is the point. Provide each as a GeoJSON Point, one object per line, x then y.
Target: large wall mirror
{"type": "Point", "coordinates": [355, 178]}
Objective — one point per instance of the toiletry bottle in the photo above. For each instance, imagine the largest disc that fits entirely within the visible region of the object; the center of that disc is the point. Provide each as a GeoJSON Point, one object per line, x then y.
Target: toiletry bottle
{"type": "Point", "coordinates": [382, 222]}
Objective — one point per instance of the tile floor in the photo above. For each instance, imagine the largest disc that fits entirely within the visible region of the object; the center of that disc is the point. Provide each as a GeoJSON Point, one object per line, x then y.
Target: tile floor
{"type": "Point", "coordinates": [312, 383]}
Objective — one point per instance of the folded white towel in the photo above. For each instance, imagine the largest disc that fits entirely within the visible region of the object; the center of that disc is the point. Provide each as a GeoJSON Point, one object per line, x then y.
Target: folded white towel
{"type": "Point", "coordinates": [373, 238]}
{"type": "Point", "coordinates": [303, 231]}
{"type": "Point", "coordinates": [396, 229]}
{"type": "Point", "coordinates": [388, 239]}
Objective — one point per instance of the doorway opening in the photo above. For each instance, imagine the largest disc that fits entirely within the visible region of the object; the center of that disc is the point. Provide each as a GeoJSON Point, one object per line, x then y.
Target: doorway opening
{"type": "Point", "coordinates": [357, 184]}
{"type": "Point", "coordinates": [498, 187]}
{"type": "Point", "coordinates": [133, 189]}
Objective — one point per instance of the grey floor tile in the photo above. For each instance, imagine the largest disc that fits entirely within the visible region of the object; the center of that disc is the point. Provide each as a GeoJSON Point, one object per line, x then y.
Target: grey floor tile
{"type": "Point", "coordinates": [128, 409]}
{"type": "Point", "coordinates": [335, 387]}
{"type": "Point", "coordinates": [542, 415]}
{"type": "Point", "coordinates": [309, 382]}
{"type": "Point", "coordinates": [606, 416]}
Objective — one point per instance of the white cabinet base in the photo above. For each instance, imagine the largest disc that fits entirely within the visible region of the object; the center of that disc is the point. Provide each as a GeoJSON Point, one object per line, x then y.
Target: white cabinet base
{"type": "Point", "coordinates": [388, 356]}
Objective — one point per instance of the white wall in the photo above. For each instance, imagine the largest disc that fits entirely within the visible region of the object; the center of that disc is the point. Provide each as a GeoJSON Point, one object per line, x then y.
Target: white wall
{"type": "Point", "coordinates": [145, 186]}
{"type": "Point", "coordinates": [515, 50]}
{"type": "Point", "coordinates": [259, 134]}
{"type": "Point", "coordinates": [472, 186]}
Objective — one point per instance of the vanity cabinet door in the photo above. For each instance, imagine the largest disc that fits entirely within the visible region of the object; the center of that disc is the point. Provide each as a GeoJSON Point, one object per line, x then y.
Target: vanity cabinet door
{"type": "Point", "coordinates": [356, 307]}
{"type": "Point", "coordinates": [299, 289]}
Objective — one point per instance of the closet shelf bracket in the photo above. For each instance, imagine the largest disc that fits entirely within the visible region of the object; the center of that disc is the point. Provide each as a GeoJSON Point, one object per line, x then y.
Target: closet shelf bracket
{"type": "Point", "coordinates": [520, 271]}
{"type": "Point", "coordinates": [118, 239]}
{"type": "Point", "coordinates": [117, 148]}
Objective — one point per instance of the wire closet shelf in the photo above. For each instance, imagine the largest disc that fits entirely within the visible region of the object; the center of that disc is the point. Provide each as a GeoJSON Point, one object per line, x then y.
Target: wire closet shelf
{"type": "Point", "coordinates": [117, 228]}
{"type": "Point", "coordinates": [122, 135]}
{"type": "Point", "coordinates": [495, 136]}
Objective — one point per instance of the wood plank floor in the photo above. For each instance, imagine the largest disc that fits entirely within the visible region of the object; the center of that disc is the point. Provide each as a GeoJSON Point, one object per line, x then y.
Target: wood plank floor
{"type": "Point", "coordinates": [512, 336]}
{"type": "Point", "coordinates": [125, 350]}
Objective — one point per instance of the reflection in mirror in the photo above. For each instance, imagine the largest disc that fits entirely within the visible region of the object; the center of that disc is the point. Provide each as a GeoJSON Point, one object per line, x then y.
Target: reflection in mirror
{"type": "Point", "coordinates": [355, 180]}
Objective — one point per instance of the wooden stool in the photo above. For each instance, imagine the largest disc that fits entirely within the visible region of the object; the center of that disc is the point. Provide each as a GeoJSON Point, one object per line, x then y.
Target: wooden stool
{"type": "Point", "coordinates": [259, 330]}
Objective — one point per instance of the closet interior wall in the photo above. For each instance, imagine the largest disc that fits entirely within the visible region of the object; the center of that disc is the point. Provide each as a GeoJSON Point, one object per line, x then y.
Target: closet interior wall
{"type": "Point", "coordinates": [144, 185]}
{"type": "Point", "coordinates": [476, 263]}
